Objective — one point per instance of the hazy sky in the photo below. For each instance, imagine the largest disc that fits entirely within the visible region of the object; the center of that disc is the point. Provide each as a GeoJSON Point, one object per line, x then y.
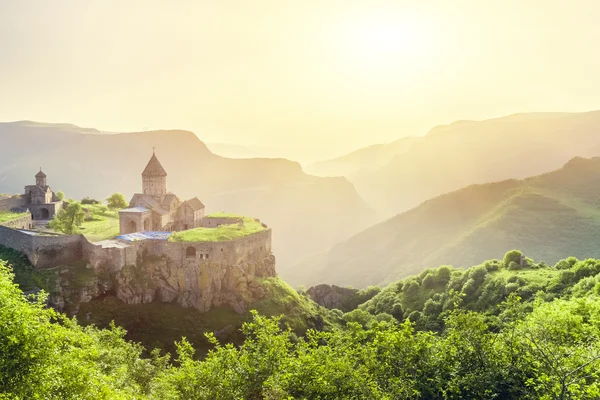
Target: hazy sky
{"type": "Point", "coordinates": [309, 73]}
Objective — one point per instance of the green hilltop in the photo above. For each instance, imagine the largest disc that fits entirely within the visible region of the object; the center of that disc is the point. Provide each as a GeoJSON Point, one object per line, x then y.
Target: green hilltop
{"type": "Point", "coordinates": [247, 227]}
{"type": "Point", "coordinates": [546, 216]}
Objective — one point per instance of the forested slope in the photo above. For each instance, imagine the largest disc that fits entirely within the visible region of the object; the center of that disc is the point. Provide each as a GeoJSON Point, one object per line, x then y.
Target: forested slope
{"type": "Point", "coordinates": [511, 329]}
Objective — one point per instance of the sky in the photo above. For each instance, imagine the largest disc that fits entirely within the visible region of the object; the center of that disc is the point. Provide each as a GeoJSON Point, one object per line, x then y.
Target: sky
{"type": "Point", "coordinates": [321, 76]}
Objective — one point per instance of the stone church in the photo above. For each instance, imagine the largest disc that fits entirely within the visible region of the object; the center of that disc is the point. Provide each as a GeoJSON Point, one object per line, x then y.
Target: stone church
{"type": "Point", "coordinates": [40, 199]}
{"type": "Point", "coordinates": [155, 209]}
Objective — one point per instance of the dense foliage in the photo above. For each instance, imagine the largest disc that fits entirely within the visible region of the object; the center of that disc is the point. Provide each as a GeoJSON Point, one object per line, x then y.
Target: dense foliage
{"type": "Point", "coordinates": [488, 332]}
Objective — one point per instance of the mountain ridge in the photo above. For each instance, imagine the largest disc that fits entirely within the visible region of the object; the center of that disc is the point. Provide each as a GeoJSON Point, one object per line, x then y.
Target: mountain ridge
{"type": "Point", "coordinates": [546, 216]}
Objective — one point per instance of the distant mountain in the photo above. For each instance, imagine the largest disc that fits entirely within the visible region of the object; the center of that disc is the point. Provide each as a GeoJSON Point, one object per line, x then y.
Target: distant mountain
{"type": "Point", "coordinates": [303, 154]}
{"type": "Point", "coordinates": [467, 152]}
{"type": "Point", "coordinates": [307, 213]}
{"type": "Point", "coordinates": [546, 216]}
{"type": "Point", "coordinates": [368, 159]}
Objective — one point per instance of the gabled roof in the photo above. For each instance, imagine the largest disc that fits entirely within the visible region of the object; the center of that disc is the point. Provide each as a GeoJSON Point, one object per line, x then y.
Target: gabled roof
{"type": "Point", "coordinates": [169, 199]}
{"type": "Point", "coordinates": [153, 205]}
{"type": "Point", "coordinates": [40, 174]}
{"type": "Point", "coordinates": [194, 203]}
{"type": "Point", "coordinates": [154, 168]}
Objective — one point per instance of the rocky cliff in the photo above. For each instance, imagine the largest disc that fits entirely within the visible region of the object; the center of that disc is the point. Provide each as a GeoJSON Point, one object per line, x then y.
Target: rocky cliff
{"type": "Point", "coordinates": [204, 287]}
{"type": "Point", "coordinates": [155, 278]}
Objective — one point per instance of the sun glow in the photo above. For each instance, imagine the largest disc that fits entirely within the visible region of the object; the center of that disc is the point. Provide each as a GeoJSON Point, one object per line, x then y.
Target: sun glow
{"type": "Point", "coordinates": [400, 41]}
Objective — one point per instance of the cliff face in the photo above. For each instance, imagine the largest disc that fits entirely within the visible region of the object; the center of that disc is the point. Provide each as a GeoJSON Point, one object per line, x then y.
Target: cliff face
{"type": "Point", "coordinates": [161, 279]}
{"type": "Point", "coordinates": [203, 287]}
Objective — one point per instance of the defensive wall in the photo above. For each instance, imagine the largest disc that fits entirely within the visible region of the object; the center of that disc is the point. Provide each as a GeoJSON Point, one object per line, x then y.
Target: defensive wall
{"type": "Point", "coordinates": [213, 222]}
{"type": "Point", "coordinates": [47, 250]}
{"type": "Point", "coordinates": [23, 222]}
{"type": "Point", "coordinates": [44, 251]}
{"type": "Point", "coordinates": [232, 252]}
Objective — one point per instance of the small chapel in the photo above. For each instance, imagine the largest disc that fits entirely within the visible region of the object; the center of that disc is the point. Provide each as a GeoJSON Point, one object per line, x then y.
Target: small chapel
{"type": "Point", "coordinates": [156, 209]}
{"type": "Point", "coordinates": [40, 200]}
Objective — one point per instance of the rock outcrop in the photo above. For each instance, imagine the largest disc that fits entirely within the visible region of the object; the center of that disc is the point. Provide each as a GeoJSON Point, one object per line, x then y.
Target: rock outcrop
{"type": "Point", "coordinates": [203, 287]}
{"type": "Point", "coordinates": [331, 296]}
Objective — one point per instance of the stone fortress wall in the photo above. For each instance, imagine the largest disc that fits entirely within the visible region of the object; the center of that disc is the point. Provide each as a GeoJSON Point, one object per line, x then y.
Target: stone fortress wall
{"type": "Point", "coordinates": [23, 222]}
{"type": "Point", "coordinates": [44, 251]}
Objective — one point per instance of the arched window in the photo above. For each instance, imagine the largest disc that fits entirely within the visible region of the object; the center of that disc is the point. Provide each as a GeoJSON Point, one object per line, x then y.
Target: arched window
{"type": "Point", "coordinates": [190, 252]}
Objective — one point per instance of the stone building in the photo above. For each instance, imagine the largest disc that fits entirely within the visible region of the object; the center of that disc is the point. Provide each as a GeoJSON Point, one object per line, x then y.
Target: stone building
{"type": "Point", "coordinates": [156, 209]}
{"type": "Point", "coordinates": [40, 199]}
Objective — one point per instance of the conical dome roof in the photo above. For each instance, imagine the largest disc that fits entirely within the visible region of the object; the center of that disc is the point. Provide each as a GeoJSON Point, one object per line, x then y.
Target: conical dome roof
{"type": "Point", "coordinates": [154, 168]}
{"type": "Point", "coordinates": [40, 174]}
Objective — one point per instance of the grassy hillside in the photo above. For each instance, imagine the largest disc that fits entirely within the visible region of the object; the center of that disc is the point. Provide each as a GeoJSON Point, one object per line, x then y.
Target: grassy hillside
{"type": "Point", "coordinates": [546, 216]}
{"type": "Point", "coordinates": [468, 152]}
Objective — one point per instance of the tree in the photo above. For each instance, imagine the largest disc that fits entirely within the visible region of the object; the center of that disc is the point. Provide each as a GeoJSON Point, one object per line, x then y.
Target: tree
{"type": "Point", "coordinates": [116, 201]}
{"type": "Point", "coordinates": [68, 220]}
{"type": "Point", "coordinates": [60, 195]}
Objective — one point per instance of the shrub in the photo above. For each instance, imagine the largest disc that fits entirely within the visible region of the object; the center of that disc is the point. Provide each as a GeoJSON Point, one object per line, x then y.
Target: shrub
{"type": "Point", "coordinates": [88, 200]}
{"type": "Point", "coordinates": [512, 256]}
{"type": "Point", "coordinates": [514, 266]}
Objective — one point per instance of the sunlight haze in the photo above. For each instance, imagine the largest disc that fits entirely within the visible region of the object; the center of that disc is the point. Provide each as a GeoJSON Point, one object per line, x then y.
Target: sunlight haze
{"type": "Point", "coordinates": [306, 75]}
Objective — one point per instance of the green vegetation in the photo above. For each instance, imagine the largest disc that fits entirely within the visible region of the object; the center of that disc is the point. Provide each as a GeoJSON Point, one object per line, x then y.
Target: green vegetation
{"type": "Point", "coordinates": [6, 216]}
{"type": "Point", "coordinates": [482, 333]}
{"type": "Point", "coordinates": [89, 200]}
{"type": "Point", "coordinates": [60, 195]}
{"type": "Point", "coordinates": [116, 201]}
{"type": "Point", "coordinates": [248, 227]}
{"type": "Point", "coordinates": [68, 220]}
{"type": "Point", "coordinates": [45, 355]}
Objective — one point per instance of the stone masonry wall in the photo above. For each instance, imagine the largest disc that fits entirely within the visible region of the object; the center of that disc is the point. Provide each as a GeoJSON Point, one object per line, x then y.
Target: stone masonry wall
{"type": "Point", "coordinates": [44, 251]}
{"type": "Point", "coordinates": [213, 222]}
{"type": "Point", "coordinates": [23, 222]}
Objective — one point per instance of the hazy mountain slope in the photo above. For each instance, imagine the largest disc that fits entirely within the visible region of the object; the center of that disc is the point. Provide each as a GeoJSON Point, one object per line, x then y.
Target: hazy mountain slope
{"type": "Point", "coordinates": [296, 205]}
{"type": "Point", "coordinates": [468, 152]}
{"type": "Point", "coordinates": [370, 158]}
{"type": "Point", "coordinates": [545, 216]}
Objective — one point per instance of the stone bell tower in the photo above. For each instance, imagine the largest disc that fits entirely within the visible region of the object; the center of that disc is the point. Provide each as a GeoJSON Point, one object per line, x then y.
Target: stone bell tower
{"type": "Point", "coordinates": [154, 178]}
{"type": "Point", "coordinates": [40, 179]}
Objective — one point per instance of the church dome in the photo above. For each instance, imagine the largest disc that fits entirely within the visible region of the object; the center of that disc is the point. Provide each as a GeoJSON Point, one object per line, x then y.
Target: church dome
{"type": "Point", "coordinates": [154, 168]}
{"type": "Point", "coordinates": [40, 174]}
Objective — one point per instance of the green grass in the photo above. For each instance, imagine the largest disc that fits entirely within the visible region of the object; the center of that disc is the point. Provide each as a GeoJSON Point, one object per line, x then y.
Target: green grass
{"type": "Point", "coordinates": [102, 226]}
{"type": "Point", "coordinates": [221, 233]}
{"type": "Point", "coordinates": [6, 216]}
